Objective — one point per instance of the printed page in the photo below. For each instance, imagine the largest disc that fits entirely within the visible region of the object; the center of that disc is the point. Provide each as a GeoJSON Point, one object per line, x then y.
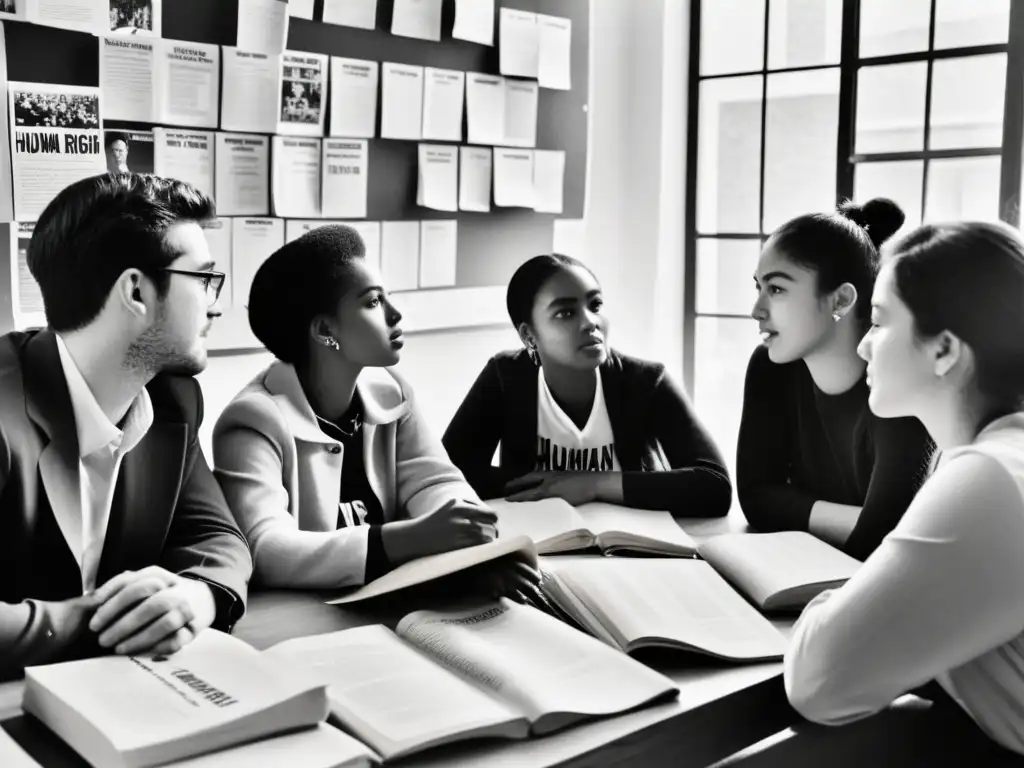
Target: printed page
{"type": "Point", "coordinates": [262, 26]}
{"type": "Point", "coordinates": [544, 521]}
{"type": "Point", "coordinates": [388, 693]}
{"type": "Point", "coordinates": [302, 104]}
{"type": "Point", "coordinates": [764, 564]}
{"type": "Point", "coordinates": [345, 178]}
{"type": "Point", "coordinates": [548, 180]}
{"type": "Point", "coordinates": [673, 602]}
{"type": "Point", "coordinates": [513, 177]}
{"type": "Point", "coordinates": [438, 252]}
{"type": "Point", "coordinates": [301, 9]}
{"type": "Point", "coordinates": [26, 297]}
{"type": "Point", "coordinates": [188, 83]}
{"type": "Point", "coordinates": [6, 178]}
{"type": "Point", "coordinates": [654, 525]}
{"type": "Point", "coordinates": [56, 141]}
{"type": "Point", "coordinates": [250, 91]}
{"type": "Point", "coordinates": [519, 43]}
{"type": "Point", "coordinates": [417, 18]}
{"type": "Point", "coordinates": [137, 18]}
{"type": "Point", "coordinates": [444, 92]}
{"type": "Point", "coordinates": [351, 13]}
{"type": "Point", "coordinates": [296, 177]}
{"type": "Point", "coordinates": [252, 242]}
{"type": "Point", "coordinates": [321, 747]}
{"type": "Point", "coordinates": [185, 155]}
{"type": "Point", "coordinates": [485, 108]}
{"type": "Point", "coordinates": [218, 239]}
{"type": "Point", "coordinates": [127, 77]}
{"type": "Point", "coordinates": [438, 185]}
{"type": "Point", "coordinates": [402, 101]}
{"type": "Point", "coordinates": [474, 21]}
{"type": "Point", "coordinates": [12, 755]}
{"type": "Point", "coordinates": [370, 232]}
{"type": "Point", "coordinates": [354, 97]}
{"type": "Point", "coordinates": [534, 661]}
{"type": "Point", "coordinates": [400, 255]}
{"type": "Point", "coordinates": [80, 15]}
{"type": "Point", "coordinates": [242, 171]}
{"type": "Point", "coordinates": [475, 179]}
{"type": "Point", "coordinates": [554, 68]}
{"type": "Point", "coordinates": [521, 113]}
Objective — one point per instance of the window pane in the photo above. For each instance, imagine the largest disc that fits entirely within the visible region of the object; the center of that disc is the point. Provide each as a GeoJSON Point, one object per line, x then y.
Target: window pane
{"type": "Point", "coordinates": [731, 36]}
{"type": "Point", "coordinates": [729, 155]}
{"type": "Point", "coordinates": [800, 144]}
{"type": "Point", "coordinates": [725, 275]}
{"type": "Point", "coordinates": [893, 26]}
{"type": "Point", "coordinates": [721, 353]}
{"type": "Point", "coordinates": [960, 23]}
{"type": "Point", "coordinates": [900, 181]}
{"type": "Point", "coordinates": [890, 108]}
{"type": "Point", "coordinates": [967, 102]}
{"type": "Point", "coordinates": [803, 33]}
{"type": "Point", "coordinates": [963, 188]}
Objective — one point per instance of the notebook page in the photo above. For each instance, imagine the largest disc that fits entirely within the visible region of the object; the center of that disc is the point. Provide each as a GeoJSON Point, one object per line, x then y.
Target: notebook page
{"type": "Point", "coordinates": [762, 564]}
{"type": "Point", "coordinates": [648, 523]}
{"type": "Point", "coordinates": [540, 520]}
{"type": "Point", "coordinates": [680, 600]}
{"type": "Point", "coordinates": [534, 660]}
{"type": "Point", "coordinates": [382, 687]}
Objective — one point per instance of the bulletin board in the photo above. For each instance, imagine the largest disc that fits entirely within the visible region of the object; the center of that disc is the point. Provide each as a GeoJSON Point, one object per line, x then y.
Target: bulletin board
{"type": "Point", "coordinates": [490, 245]}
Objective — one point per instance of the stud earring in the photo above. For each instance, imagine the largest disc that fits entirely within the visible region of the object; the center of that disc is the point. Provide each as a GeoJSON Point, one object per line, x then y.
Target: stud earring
{"type": "Point", "coordinates": [330, 342]}
{"type": "Point", "coordinates": [836, 317]}
{"type": "Point", "coordinates": [532, 352]}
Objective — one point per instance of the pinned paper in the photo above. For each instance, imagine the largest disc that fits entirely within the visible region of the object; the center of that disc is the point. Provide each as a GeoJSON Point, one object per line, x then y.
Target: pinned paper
{"type": "Point", "coordinates": [474, 21]}
{"type": "Point", "coordinates": [417, 18]}
{"type": "Point", "coordinates": [354, 97]}
{"type": "Point", "coordinates": [242, 173]}
{"type": "Point", "coordinates": [370, 232]}
{"type": "Point", "coordinates": [253, 240]}
{"type": "Point", "coordinates": [513, 177]}
{"type": "Point", "coordinates": [438, 177]}
{"type": "Point", "coordinates": [554, 55]}
{"type": "Point", "coordinates": [251, 91]}
{"type": "Point", "coordinates": [402, 108]}
{"type": "Point", "coordinates": [438, 252]}
{"type": "Point", "coordinates": [519, 45]}
{"type": "Point", "coordinates": [301, 9]}
{"type": "Point", "coordinates": [296, 177]}
{"type": "Point", "coordinates": [444, 92]}
{"type": "Point", "coordinates": [302, 99]}
{"type": "Point", "coordinates": [548, 180]}
{"type": "Point", "coordinates": [345, 163]}
{"type": "Point", "coordinates": [218, 239]}
{"type": "Point", "coordinates": [400, 255]}
{"type": "Point", "coordinates": [485, 108]}
{"type": "Point", "coordinates": [185, 155]}
{"type": "Point", "coordinates": [262, 26]}
{"type": "Point", "coordinates": [521, 113]}
{"type": "Point", "coordinates": [351, 13]}
{"type": "Point", "coordinates": [475, 178]}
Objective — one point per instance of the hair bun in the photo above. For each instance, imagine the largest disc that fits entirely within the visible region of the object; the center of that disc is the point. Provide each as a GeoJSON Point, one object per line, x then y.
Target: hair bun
{"type": "Point", "coordinates": [879, 216]}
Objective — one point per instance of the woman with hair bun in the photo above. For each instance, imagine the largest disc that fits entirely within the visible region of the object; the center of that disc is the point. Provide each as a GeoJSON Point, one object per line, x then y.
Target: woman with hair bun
{"type": "Point", "coordinates": [811, 456]}
{"type": "Point", "coordinates": [942, 598]}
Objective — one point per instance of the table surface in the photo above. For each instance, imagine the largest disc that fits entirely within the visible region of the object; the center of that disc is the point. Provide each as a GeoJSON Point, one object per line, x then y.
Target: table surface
{"type": "Point", "coordinates": [721, 708]}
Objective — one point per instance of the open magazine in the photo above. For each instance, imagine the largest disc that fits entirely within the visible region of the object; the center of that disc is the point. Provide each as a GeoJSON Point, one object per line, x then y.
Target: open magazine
{"type": "Point", "coordinates": [555, 526]}
{"type": "Point", "coordinates": [500, 670]}
{"type": "Point", "coordinates": [669, 603]}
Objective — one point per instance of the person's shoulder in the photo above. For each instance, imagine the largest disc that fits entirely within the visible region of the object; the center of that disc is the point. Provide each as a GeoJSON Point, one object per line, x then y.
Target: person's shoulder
{"type": "Point", "coordinates": [176, 398]}
{"type": "Point", "coordinates": [634, 366]}
{"type": "Point", "coordinates": [511, 359]}
{"type": "Point", "coordinates": [252, 407]}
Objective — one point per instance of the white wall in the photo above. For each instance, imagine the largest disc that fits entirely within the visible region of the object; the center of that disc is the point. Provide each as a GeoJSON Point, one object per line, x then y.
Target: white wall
{"type": "Point", "coordinates": [632, 231]}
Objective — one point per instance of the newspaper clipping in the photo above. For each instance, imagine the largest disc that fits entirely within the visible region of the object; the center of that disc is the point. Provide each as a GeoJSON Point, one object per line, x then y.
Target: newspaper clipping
{"type": "Point", "coordinates": [303, 81]}
{"type": "Point", "coordinates": [128, 151]}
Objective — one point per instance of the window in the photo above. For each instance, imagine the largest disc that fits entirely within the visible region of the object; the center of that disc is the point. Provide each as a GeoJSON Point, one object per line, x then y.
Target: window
{"type": "Point", "coordinates": [798, 104]}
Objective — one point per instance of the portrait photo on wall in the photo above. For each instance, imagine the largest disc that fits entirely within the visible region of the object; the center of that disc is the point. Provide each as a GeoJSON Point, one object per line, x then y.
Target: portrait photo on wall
{"type": "Point", "coordinates": [128, 151]}
{"type": "Point", "coordinates": [301, 95]}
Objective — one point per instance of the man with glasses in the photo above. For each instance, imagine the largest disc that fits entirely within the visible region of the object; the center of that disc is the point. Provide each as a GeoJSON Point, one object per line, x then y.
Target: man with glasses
{"type": "Point", "coordinates": [114, 535]}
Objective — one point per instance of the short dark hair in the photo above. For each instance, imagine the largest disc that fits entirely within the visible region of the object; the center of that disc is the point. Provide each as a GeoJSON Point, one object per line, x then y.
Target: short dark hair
{"type": "Point", "coordinates": [528, 279]}
{"type": "Point", "coordinates": [95, 229]}
{"type": "Point", "coordinates": [841, 247]}
{"type": "Point", "coordinates": [113, 136]}
{"type": "Point", "coordinates": [968, 278]}
{"type": "Point", "coordinates": [300, 280]}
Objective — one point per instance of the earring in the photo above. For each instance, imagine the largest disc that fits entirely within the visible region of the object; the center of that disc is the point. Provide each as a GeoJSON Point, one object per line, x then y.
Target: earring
{"type": "Point", "coordinates": [836, 317]}
{"type": "Point", "coordinates": [330, 342]}
{"type": "Point", "coordinates": [532, 352]}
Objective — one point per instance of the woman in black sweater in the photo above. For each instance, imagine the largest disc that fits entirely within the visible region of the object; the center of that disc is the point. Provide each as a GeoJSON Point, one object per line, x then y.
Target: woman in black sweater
{"type": "Point", "coordinates": [811, 455]}
{"type": "Point", "coordinates": [576, 419]}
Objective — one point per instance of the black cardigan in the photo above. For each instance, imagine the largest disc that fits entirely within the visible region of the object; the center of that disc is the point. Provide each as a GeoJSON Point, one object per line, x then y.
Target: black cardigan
{"type": "Point", "coordinates": [668, 459]}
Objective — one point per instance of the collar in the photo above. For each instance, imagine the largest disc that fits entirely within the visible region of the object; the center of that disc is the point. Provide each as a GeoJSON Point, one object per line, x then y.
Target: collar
{"type": "Point", "coordinates": [384, 400]}
{"type": "Point", "coordinates": [93, 428]}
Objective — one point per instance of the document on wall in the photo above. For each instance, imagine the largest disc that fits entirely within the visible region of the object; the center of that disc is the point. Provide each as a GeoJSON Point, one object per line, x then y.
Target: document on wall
{"type": "Point", "coordinates": [301, 9]}
{"type": "Point", "coordinates": [548, 180]}
{"type": "Point", "coordinates": [438, 252]}
{"type": "Point", "coordinates": [370, 232]}
{"type": "Point", "coordinates": [474, 21]}
{"type": "Point", "coordinates": [475, 178]}
{"type": "Point", "coordinates": [89, 16]}
{"type": "Point", "coordinates": [345, 173]}
{"type": "Point", "coordinates": [513, 177]}
{"type": "Point", "coordinates": [262, 26]}
{"type": "Point", "coordinates": [444, 92]}
{"type": "Point", "coordinates": [187, 83]}
{"type": "Point", "coordinates": [128, 151]}
{"type": "Point", "coordinates": [128, 77]}
{"type": "Point", "coordinates": [521, 113]}
{"type": "Point", "coordinates": [253, 240]}
{"type": "Point", "coordinates": [518, 44]}
{"type": "Point", "coordinates": [26, 298]}
{"type": "Point", "coordinates": [138, 18]}
{"type": "Point", "coordinates": [296, 177]}
{"type": "Point", "coordinates": [438, 185]}
{"type": "Point", "coordinates": [55, 142]}
{"type": "Point", "coordinates": [554, 61]}
{"type": "Point", "coordinates": [242, 174]}
{"type": "Point", "coordinates": [354, 85]}
{"type": "Point", "coordinates": [351, 13]}
{"type": "Point", "coordinates": [251, 91]}
{"type": "Point", "coordinates": [185, 155]}
{"type": "Point", "coordinates": [6, 178]}
{"type": "Point", "coordinates": [303, 98]}
{"type": "Point", "coordinates": [400, 255]}
{"type": "Point", "coordinates": [296, 228]}
{"type": "Point", "coordinates": [402, 108]}
{"type": "Point", "coordinates": [218, 239]}
{"type": "Point", "coordinates": [485, 108]}
{"type": "Point", "coordinates": [417, 18]}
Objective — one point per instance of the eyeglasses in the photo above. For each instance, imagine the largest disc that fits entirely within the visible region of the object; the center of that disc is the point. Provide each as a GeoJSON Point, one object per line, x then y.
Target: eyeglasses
{"type": "Point", "coordinates": [212, 282]}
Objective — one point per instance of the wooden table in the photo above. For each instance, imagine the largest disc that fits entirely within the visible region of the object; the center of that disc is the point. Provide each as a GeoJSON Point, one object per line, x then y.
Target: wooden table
{"type": "Point", "coordinates": [721, 708]}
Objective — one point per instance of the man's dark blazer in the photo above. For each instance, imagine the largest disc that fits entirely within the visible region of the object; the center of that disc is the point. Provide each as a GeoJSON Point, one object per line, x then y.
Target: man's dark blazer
{"type": "Point", "coordinates": [167, 510]}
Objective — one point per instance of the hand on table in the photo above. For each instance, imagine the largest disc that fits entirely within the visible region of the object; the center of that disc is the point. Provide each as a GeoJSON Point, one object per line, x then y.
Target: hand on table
{"type": "Point", "coordinates": [457, 524]}
{"type": "Point", "coordinates": [575, 487]}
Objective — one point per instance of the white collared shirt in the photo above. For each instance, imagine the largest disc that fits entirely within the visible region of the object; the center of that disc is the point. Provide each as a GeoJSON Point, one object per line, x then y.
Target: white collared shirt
{"type": "Point", "coordinates": [101, 446]}
{"type": "Point", "coordinates": [561, 445]}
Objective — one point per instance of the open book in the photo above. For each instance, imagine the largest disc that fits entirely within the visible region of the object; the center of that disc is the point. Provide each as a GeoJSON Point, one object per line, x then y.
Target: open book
{"type": "Point", "coordinates": [500, 670]}
{"type": "Point", "coordinates": [641, 603]}
{"type": "Point", "coordinates": [556, 526]}
{"type": "Point", "coordinates": [778, 571]}
{"type": "Point", "coordinates": [138, 711]}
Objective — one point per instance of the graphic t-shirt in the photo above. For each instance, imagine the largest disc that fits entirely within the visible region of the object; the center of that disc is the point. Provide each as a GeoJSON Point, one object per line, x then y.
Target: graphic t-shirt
{"type": "Point", "coordinates": [561, 445]}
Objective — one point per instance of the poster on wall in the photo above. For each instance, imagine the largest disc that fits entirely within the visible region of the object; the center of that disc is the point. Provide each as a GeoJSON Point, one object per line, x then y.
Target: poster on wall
{"type": "Point", "coordinates": [303, 94]}
{"type": "Point", "coordinates": [128, 151]}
